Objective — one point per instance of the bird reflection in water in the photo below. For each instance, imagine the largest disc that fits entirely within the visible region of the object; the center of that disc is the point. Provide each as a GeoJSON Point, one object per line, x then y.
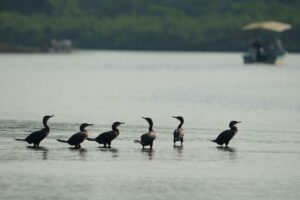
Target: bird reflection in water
{"type": "Point", "coordinates": [149, 152]}
{"type": "Point", "coordinates": [232, 151]}
{"type": "Point", "coordinates": [82, 151]}
{"type": "Point", "coordinates": [229, 149]}
{"type": "Point", "coordinates": [179, 150]}
{"type": "Point", "coordinates": [43, 150]}
{"type": "Point", "coordinates": [113, 151]}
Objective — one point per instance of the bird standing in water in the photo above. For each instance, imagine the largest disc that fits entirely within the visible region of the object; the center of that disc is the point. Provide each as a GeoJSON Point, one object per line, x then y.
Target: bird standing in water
{"type": "Point", "coordinates": [79, 137]}
{"type": "Point", "coordinates": [147, 138]}
{"type": "Point", "coordinates": [106, 137]}
{"type": "Point", "coordinates": [226, 136]}
{"type": "Point", "coordinates": [37, 136]}
{"type": "Point", "coordinates": [178, 133]}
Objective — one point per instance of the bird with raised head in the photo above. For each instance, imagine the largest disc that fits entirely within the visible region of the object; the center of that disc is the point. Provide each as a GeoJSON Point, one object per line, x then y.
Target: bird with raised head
{"type": "Point", "coordinates": [226, 136]}
{"type": "Point", "coordinates": [36, 137]}
{"type": "Point", "coordinates": [77, 138]}
{"type": "Point", "coordinates": [178, 132]}
{"type": "Point", "coordinates": [147, 138]}
{"type": "Point", "coordinates": [106, 137]}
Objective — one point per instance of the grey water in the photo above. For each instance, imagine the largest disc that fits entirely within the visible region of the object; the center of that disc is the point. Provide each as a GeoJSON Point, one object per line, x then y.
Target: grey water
{"type": "Point", "coordinates": [100, 87]}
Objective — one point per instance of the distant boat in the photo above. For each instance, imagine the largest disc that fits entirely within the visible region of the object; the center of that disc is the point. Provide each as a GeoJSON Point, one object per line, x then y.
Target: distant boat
{"type": "Point", "coordinates": [61, 46]}
{"type": "Point", "coordinates": [273, 52]}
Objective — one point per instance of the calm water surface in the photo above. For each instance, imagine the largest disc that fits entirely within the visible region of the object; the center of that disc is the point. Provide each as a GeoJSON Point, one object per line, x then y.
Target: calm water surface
{"type": "Point", "coordinates": [99, 87]}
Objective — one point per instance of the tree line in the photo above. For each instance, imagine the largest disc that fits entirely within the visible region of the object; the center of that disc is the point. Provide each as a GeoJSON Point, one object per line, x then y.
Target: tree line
{"type": "Point", "coordinates": [144, 25]}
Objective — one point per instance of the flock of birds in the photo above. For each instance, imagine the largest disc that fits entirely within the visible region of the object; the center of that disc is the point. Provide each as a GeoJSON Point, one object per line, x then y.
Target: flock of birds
{"type": "Point", "coordinates": [106, 138]}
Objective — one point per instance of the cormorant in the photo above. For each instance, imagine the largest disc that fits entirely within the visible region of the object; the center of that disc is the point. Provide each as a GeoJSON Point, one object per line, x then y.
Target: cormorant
{"type": "Point", "coordinates": [106, 137]}
{"type": "Point", "coordinates": [37, 136]}
{"type": "Point", "coordinates": [178, 133]}
{"type": "Point", "coordinates": [226, 136]}
{"type": "Point", "coordinates": [79, 137]}
{"type": "Point", "coordinates": [147, 138]}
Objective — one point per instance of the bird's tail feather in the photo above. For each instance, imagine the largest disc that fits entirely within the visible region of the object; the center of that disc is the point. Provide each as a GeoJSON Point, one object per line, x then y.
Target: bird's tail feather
{"type": "Point", "coordinates": [211, 140]}
{"type": "Point", "coordinates": [19, 139]}
{"type": "Point", "coordinates": [64, 141]}
{"type": "Point", "coordinates": [90, 139]}
{"type": "Point", "coordinates": [137, 141]}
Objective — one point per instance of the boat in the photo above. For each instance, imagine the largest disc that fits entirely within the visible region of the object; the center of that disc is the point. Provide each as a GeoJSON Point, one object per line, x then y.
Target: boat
{"type": "Point", "coordinates": [271, 53]}
{"type": "Point", "coordinates": [61, 46]}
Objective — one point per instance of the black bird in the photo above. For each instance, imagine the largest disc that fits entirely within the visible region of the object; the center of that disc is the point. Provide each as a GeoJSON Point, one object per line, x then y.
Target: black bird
{"type": "Point", "coordinates": [178, 133]}
{"type": "Point", "coordinates": [147, 138]}
{"type": "Point", "coordinates": [37, 136]}
{"type": "Point", "coordinates": [79, 137]}
{"type": "Point", "coordinates": [106, 137]}
{"type": "Point", "coordinates": [226, 136]}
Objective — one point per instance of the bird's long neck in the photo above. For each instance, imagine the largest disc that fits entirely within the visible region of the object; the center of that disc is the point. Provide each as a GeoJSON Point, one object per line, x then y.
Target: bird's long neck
{"type": "Point", "coordinates": [84, 132]}
{"type": "Point", "coordinates": [150, 127]}
{"type": "Point", "coordinates": [45, 123]}
{"type": "Point", "coordinates": [115, 129]}
{"type": "Point", "coordinates": [234, 128]}
{"type": "Point", "coordinates": [150, 124]}
{"type": "Point", "coordinates": [180, 125]}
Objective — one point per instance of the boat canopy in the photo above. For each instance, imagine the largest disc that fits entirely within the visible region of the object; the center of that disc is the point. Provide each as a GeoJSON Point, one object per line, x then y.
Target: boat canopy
{"type": "Point", "coordinates": [268, 25]}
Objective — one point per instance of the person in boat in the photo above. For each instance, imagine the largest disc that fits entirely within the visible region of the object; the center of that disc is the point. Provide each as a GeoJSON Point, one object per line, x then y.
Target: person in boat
{"type": "Point", "coordinates": [259, 50]}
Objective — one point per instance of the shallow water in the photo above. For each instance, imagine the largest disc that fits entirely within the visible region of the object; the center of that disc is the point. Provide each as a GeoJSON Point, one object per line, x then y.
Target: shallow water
{"type": "Point", "coordinates": [99, 87]}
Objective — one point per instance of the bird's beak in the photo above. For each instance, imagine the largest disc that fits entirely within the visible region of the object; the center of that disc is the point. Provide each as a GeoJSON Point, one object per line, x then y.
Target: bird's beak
{"type": "Point", "coordinates": [90, 124]}
{"type": "Point", "coordinates": [239, 122]}
{"type": "Point", "coordinates": [122, 122]}
{"type": "Point", "coordinates": [51, 115]}
{"type": "Point", "coordinates": [173, 116]}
